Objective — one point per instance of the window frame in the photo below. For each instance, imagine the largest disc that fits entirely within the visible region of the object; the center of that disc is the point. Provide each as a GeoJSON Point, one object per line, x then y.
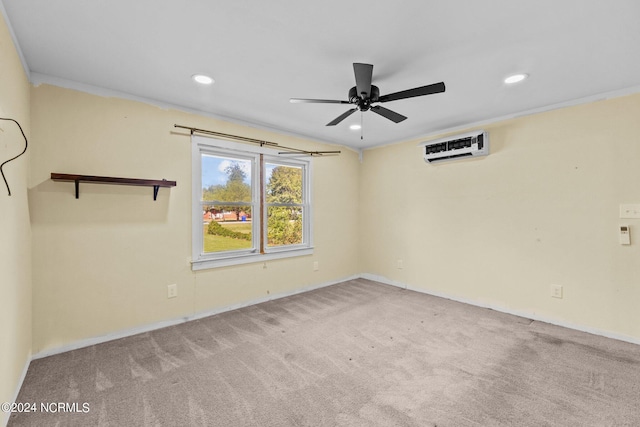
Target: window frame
{"type": "Point", "coordinates": [200, 260]}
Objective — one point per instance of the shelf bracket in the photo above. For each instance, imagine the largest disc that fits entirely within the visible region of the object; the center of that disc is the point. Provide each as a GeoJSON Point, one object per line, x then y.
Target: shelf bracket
{"type": "Point", "coordinates": [77, 182]}
{"type": "Point", "coordinates": [155, 192]}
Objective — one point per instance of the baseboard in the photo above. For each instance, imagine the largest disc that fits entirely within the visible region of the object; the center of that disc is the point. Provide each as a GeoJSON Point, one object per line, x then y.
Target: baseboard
{"type": "Point", "coordinates": [4, 420]}
{"type": "Point", "coordinates": [171, 322]}
{"type": "Point", "coordinates": [525, 314]}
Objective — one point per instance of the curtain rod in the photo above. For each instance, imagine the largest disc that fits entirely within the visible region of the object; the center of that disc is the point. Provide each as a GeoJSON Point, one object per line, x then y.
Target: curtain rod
{"type": "Point", "coordinates": [256, 141]}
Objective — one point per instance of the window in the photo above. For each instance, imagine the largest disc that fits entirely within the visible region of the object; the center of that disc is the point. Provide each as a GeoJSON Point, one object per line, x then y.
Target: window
{"type": "Point", "coordinates": [249, 204]}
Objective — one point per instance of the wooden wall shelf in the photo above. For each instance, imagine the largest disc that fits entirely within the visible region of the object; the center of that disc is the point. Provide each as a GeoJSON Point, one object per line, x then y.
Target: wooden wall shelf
{"type": "Point", "coordinates": [77, 179]}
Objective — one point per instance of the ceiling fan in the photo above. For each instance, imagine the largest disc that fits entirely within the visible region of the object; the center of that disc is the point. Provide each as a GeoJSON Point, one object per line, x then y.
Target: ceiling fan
{"type": "Point", "coordinates": [364, 94]}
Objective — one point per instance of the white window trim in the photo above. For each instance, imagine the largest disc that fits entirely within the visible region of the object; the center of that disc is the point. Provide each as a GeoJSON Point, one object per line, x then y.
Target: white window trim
{"type": "Point", "coordinates": [200, 260]}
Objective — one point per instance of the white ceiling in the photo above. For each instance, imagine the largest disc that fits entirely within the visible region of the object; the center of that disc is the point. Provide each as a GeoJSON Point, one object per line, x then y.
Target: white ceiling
{"type": "Point", "coordinates": [261, 53]}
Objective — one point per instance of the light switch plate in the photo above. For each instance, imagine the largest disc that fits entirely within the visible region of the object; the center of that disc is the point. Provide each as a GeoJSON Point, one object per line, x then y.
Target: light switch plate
{"type": "Point", "coordinates": [630, 210]}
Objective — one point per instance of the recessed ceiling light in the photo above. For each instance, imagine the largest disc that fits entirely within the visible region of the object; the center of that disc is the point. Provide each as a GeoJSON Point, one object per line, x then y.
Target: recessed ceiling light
{"type": "Point", "coordinates": [355, 127]}
{"type": "Point", "coordinates": [202, 79]}
{"type": "Point", "coordinates": [515, 78]}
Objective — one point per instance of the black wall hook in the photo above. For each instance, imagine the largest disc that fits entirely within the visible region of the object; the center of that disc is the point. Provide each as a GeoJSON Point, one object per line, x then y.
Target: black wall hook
{"type": "Point", "coordinates": [26, 143]}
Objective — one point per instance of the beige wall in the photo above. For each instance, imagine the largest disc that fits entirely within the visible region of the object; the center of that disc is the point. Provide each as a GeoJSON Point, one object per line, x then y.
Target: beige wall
{"type": "Point", "coordinates": [541, 209]}
{"type": "Point", "coordinates": [15, 233]}
{"type": "Point", "coordinates": [102, 263]}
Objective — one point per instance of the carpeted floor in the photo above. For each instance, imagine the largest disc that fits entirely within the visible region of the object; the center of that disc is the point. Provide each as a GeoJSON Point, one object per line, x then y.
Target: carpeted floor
{"type": "Point", "coordinates": [354, 354]}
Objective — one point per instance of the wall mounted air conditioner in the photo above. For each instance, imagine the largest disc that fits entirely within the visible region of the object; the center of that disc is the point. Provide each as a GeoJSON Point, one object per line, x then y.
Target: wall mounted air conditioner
{"type": "Point", "coordinates": [456, 147]}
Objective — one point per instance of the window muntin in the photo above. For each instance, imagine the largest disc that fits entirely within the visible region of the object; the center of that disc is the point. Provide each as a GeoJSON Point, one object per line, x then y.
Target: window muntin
{"type": "Point", "coordinates": [250, 204]}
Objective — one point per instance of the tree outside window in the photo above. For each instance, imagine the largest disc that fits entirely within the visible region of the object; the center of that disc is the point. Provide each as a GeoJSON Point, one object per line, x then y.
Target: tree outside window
{"type": "Point", "coordinates": [284, 205]}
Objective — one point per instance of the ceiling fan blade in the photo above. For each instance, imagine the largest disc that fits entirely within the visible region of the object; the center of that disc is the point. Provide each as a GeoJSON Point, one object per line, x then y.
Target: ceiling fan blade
{"type": "Point", "coordinates": [316, 101]}
{"type": "Point", "coordinates": [385, 112]}
{"type": "Point", "coordinates": [341, 117]}
{"type": "Point", "coordinates": [410, 93]}
{"type": "Point", "coordinates": [364, 73]}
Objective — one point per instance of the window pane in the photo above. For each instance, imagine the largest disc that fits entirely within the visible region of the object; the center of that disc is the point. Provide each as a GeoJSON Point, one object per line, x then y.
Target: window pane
{"type": "Point", "coordinates": [226, 179]}
{"type": "Point", "coordinates": [226, 228]}
{"type": "Point", "coordinates": [284, 225]}
{"type": "Point", "coordinates": [284, 183]}
{"type": "Point", "coordinates": [227, 222]}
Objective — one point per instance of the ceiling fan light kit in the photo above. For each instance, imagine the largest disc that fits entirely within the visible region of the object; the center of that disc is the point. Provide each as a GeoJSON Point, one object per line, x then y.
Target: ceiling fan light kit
{"type": "Point", "coordinates": [364, 94]}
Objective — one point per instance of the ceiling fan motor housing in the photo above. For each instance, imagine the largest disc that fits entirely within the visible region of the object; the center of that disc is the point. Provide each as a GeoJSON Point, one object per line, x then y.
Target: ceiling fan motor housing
{"type": "Point", "coordinates": [362, 101]}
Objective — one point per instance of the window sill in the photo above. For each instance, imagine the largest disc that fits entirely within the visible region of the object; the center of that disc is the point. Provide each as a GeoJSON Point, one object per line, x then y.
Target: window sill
{"type": "Point", "coordinates": [249, 258]}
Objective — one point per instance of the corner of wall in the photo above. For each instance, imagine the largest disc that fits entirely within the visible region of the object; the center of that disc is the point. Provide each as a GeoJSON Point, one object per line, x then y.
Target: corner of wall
{"type": "Point", "coordinates": [15, 227]}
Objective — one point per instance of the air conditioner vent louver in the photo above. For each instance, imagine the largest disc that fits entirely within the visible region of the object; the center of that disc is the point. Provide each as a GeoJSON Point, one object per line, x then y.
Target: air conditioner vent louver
{"type": "Point", "coordinates": [455, 147]}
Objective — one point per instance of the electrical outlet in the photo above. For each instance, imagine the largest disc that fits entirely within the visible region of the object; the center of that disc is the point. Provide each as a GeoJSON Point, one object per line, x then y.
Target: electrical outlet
{"type": "Point", "coordinates": [316, 266]}
{"type": "Point", "coordinates": [172, 291]}
{"type": "Point", "coordinates": [556, 291]}
{"type": "Point", "coordinates": [400, 264]}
